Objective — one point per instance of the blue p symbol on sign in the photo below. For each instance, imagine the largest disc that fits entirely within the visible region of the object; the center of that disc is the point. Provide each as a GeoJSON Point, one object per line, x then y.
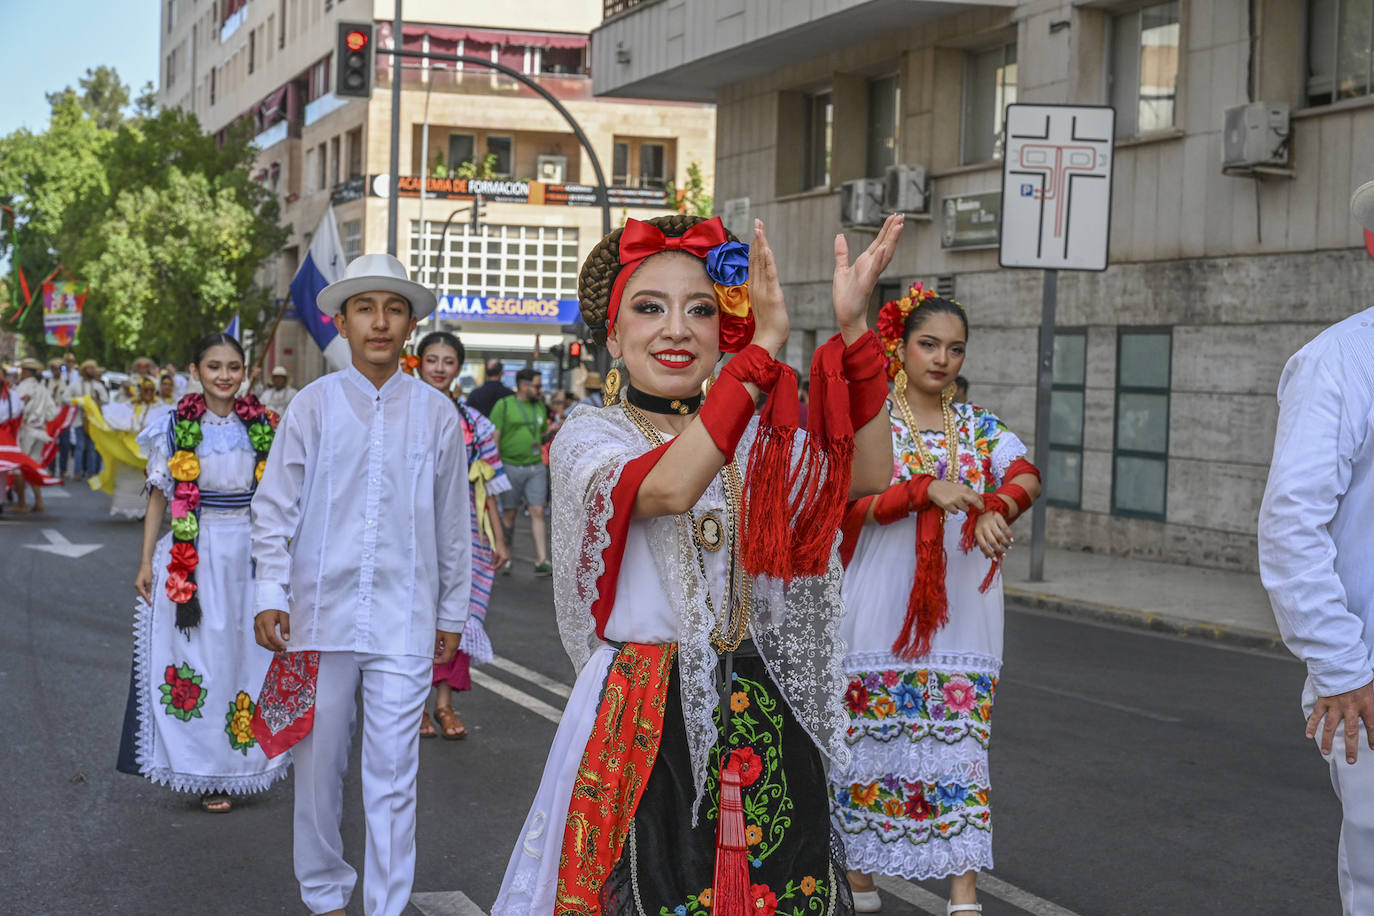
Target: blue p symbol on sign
{"type": "Point", "coordinates": [1027, 189]}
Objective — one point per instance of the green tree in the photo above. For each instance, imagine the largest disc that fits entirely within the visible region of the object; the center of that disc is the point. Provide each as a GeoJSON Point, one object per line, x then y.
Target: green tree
{"type": "Point", "coordinates": [483, 169]}
{"type": "Point", "coordinates": [694, 199]}
{"type": "Point", "coordinates": [103, 96]}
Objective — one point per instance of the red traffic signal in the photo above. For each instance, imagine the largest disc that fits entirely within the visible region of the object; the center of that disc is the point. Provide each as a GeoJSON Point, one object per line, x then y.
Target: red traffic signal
{"type": "Point", "coordinates": [353, 60]}
{"type": "Point", "coordinates": [575, 349]}
{"type": "Point", "coordinates": [355, 40]}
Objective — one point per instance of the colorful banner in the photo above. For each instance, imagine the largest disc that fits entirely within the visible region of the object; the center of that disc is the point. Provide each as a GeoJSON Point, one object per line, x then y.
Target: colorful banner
{"type": "Point", "coordinates": [62, 304]}
{"type": "Point", "coordinates": [504, 191]}
{"type": "Point", "coordinates": [503, 308]}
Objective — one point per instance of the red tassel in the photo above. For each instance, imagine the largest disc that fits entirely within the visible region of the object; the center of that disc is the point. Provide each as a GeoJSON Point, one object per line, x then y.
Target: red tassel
{"type": "Point", "coordinates": [927, 607]}
{"type": "Point", "coordinates": [730, 889]}
{"type": "Point", "coordinates": [764, 539]}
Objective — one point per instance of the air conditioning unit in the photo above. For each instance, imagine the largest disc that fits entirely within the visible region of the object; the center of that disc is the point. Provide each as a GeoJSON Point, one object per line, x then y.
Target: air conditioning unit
{"type": "Point", "coordinates": [904, 189]}
{"type": "Point", "coordinates": [552, 169]}
{"type": "Point", "coordinates": [1255, 134]}
{"type": "Point", "coordinates": [861, 202]}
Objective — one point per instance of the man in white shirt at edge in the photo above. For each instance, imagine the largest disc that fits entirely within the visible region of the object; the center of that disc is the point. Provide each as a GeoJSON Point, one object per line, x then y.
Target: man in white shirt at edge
{"type": "Point", "coordinates": [362, 553]}
{"type": "Point", "coordinates": [1315, 562]}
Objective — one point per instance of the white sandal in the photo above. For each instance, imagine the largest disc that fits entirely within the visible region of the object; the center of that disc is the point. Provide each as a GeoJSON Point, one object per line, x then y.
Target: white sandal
{"type": "Point", "coordinates": [867, 901]}
{"type": "Point", "coordinates": [952, 907]}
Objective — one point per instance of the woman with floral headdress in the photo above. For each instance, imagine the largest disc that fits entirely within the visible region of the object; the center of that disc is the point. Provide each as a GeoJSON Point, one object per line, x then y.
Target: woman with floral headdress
{"type": "Point", "coordinates": [697, 586]}
{"type": "Point", "coordinates": [924, 625]}
{"type": "Point", "coordinates": [197, 664]}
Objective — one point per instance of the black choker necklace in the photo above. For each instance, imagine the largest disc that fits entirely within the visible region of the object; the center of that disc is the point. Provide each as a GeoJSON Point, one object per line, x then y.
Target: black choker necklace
{"type": "Point", "coordinates": [654, 404]}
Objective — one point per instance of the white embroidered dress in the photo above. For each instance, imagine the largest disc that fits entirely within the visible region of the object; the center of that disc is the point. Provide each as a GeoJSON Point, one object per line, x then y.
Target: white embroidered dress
{"type": "Point", "coordinates": [914, 802]}
{"type": "Point", "coordinates": [208, 748]}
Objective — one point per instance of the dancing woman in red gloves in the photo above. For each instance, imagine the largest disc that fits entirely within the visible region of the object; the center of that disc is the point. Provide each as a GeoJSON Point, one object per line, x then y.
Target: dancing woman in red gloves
{"type": "Point", "coordinates": [697, 586]}
{"type": "Point", "coordinates": [924, 625]}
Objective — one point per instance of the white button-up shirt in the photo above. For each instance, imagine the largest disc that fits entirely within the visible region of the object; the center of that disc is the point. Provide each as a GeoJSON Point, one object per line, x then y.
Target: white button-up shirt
{"type": "Point", "coordinates": [1314, 548]}
{"type": "Point", "coordinates": [360, 524]}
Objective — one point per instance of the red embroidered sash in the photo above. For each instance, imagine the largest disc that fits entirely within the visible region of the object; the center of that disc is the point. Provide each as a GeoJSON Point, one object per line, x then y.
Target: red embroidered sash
{"type": "Point", "coordinates": [615, 767]}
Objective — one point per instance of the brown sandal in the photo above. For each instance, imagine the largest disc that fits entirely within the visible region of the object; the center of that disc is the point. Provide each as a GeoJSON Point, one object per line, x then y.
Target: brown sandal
{"type": "Point", "coordinates": [427, 726]}
{"type": "Point", "coordinates": [216, 803]}
{"type": "Point", "coordinates": [453, 727]}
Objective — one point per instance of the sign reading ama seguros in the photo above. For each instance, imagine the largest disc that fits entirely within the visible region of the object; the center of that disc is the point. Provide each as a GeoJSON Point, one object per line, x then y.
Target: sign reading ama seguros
{"type": "Point", "coordinates": [506, 308]}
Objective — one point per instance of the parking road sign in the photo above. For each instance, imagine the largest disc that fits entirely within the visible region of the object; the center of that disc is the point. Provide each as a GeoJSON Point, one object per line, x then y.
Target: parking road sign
{"type": "Point", "coordinates": [1057, 186]}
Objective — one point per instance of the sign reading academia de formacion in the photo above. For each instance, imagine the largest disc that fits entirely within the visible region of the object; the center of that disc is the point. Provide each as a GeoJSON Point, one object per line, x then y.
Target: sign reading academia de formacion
{"type": "Point", "coordinates": [503, 191]}
{"type": "Point", "coordinates": [503, 308]}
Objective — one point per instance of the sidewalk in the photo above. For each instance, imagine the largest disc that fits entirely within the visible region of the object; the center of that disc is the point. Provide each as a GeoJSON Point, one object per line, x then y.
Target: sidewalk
{"type": "Point", "coordinates": [1187, 600]}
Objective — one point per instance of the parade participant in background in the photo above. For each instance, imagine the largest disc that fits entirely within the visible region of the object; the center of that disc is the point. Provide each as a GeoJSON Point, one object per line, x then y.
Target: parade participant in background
{"type": "Point", "coordinates": [87, 384]}
{"type": "Point", "coordinates": [178, 380]}
{"type": "Point", "coordinates": [39, 410]}
{"type": "Point", "coordinates": [521, 421]}
{"type": "Point", "coordinates": [166, 389]}
{"type": "Point", "coordinates": [196, 663]}
{"type": "Point", "coordinates": [114, 428]}
{"type": "Point", "coordinates": [486, 395]}
{"type": "Point", "coordinates": [960, 390]}
{"type": "Point", "coordinates": [57, 387]}
{"type": "Point", "coordinates": [924, 618]}
{"type": "Point", "coordinates": [16, 467]}
{"type": "Point", "coordinates": [363, 563]}
{"type": "Point", "coordinates": [1314, 561]}
{"type": "Point", "coordinates": [697, 587]}
{"type": "Point", "coordinates": [592, 385]}
{"type": "Point", "coordinates": [441, 357]}
{"type": "Point", "coordinates": [278, 393]}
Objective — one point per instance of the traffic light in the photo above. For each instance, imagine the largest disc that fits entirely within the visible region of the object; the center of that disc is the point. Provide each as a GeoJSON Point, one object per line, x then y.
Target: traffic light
{"type": "Point", "coordinates": [477, 214]}
{"type": "Point", "coordinates": [574, 353]}
{"type": "Point", "coordinates": [354, 55]}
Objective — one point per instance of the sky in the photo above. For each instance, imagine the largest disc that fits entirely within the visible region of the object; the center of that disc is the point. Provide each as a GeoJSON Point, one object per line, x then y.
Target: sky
{"type": "Point", "coordinates": [51, 43]}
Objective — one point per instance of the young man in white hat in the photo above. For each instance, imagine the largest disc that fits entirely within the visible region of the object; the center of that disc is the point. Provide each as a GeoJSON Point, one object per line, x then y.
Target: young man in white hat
{"type": "Point", "coordinates": [361, 543]}
{"type": "Point", "coordinates": [1314, 559]}
{"type": "Point", "coordinates": [278, 393]}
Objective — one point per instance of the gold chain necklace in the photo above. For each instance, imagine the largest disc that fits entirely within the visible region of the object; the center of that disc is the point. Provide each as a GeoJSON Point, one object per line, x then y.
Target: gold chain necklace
{"type": "Point", "coordinates": [731, 628]}
{"type": "Point", "coordinates": [929, 464]}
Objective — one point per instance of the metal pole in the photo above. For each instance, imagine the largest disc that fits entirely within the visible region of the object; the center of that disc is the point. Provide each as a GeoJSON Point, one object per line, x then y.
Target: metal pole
{"type": "Point", "coordinates": [393, 209]}
{"type": "Point", "coordinates": [424, 181]}
{"type": "Point", "coordinates": [1044, 385]}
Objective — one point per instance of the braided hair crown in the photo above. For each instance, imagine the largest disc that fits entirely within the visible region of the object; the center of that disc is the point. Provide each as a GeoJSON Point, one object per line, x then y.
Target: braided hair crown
{"type": "Point", "coordinates": [603, 266]}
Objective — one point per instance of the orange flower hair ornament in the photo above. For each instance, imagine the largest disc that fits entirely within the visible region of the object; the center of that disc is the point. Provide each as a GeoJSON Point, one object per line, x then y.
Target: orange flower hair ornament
{"type": "Point", "coordinates": [892, 319]}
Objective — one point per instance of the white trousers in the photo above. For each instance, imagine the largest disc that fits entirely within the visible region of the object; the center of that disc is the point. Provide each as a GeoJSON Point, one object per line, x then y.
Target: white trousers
{"type": "Point", "coordinates": [394, 689]}
{"type": "Point", "coordinates": [1354, 786]}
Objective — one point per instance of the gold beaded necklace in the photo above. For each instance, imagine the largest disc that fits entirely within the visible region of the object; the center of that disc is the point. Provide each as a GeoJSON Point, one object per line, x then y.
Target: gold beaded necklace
{"type": "Point", "coordinates": [732, 627]}
{"type": "Point", "coordinates": [929, 464]}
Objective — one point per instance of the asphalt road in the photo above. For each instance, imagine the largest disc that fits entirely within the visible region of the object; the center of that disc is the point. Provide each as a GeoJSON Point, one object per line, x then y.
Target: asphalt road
{"type": "Point", "coordinates": [1133, 773]}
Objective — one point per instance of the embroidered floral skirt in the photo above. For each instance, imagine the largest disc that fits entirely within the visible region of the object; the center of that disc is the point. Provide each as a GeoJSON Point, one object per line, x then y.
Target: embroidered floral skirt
{"type": "Point", "coordinates": [191, 698]}
{"type": "Point", "coordinates": [667, 865]}
{"type": "Point", "coordinates": [915, 802]}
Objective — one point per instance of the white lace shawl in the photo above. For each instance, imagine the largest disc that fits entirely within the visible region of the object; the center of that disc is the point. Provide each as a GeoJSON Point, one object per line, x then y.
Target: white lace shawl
{"type": "Point", "coordinates": [794, 627]}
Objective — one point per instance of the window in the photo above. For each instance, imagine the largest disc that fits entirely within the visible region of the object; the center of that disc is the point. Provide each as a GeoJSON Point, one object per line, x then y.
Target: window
{"type": "Point", "coordinates": [620, 165]}
{"type": "Point", "coordinates": [321, 167]}
{"type": "Point", "coordinates": [1144, 75]}
{"type": "Point", "coordinates": [652, 164]}
{"type": "Point", "coordinates": [516, 261]}
{"type": "Point", "coordinates": [1140, 458]}
{"type": "Point", "coordinates": [171, 15]}
{"type": "Point", "coordinates": [171, 69]}
{"type": "Point", "coordinates": [310, 168]}
{"type": "Point", "coordinates": [561, 61]}
{"type": "Point", "coordinates": [461, 148]}
{"type": "Point", "coordinates": [351, 238]}
{"type": "Point", "coordinates": [281, 25]}
{"type": "Point", "coordinates": [989, 87]}
{"type": "Point", "coordinates": [213, 71]}
{"type": "Point", "coordinates": [1339, 49]}
{"type": "Point", "coordinates": [503, 148]}
{"type": "Point", "coordinates": [334, 161]}
{"type": "Point", "coordinates": [820, 127]}
{"type": "Point", "coordinates": [884, 103]}
{"type": "Point", "coordinates": [355, 153]}
{"type": "Point", "coordinates": [1064, 482]}
{"type": "Point", "coordinates": [252, 49]}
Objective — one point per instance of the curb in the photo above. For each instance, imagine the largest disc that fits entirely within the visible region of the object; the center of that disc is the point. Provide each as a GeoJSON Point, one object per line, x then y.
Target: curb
{"type": "Point", "coordinates": [1148, 620]}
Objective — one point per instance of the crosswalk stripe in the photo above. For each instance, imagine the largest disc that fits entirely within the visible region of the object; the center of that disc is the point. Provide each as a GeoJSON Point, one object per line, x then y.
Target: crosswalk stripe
{"type": "Point", "coordinates": [557, 688]}
{"type": "Point", "coordinates": [445, 903]}
{"type": "Point", "coordinates": [1038, 906]}
{"type": "Point", "coordinates": [501, 688]}
{"type": "Point", "coordinates": [918, 897]}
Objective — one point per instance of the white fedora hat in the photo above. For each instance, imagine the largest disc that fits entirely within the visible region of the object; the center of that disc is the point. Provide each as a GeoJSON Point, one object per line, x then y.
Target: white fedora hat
{"type": "Point", "coordinates": [376, 272]}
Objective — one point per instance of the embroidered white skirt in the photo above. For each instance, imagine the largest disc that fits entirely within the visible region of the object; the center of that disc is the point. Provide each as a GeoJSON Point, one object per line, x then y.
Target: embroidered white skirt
{"type": "Point", "coordinates": [194, 695]}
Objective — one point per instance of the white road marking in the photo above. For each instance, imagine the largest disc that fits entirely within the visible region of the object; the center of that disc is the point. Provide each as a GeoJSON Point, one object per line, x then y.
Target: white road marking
{"type": "Point", "coordinates": [501, 688]}
{"type": "Point", "coordinates": [1038, 906]}
{"type": "Point", "coordinates": [61, 546]}
{"type": "Point", "coordinates": [57, 493]}
{"type": "Point", "coordinates": [1085, 698]}
{"type": "Point", "coordinates": [557, 688]}
{"type": "Point", "coordinates": [918, 897]}
{"type": "Point", "coordinates": [445, 903]}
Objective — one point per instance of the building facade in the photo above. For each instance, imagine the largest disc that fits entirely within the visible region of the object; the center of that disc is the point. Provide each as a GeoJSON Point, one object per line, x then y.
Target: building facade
{"type": "Point", "coordinates": [507, 287]}
{"type": "Point", "coordinates": [1167, 363]}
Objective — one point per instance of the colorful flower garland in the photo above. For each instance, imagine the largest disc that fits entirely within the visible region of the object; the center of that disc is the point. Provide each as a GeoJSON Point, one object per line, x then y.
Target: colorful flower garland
{"type": "Point", "coordinates": [728, 267]}
{"type": "Point", "coordinates": [185, 467]}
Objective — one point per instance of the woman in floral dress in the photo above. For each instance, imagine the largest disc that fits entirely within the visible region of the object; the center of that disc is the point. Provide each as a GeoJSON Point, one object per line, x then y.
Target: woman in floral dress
{"type": "Point", "coordinates": [924, 625]}
{"type": "Point", "coordinates": [441, 359]}
{"type": "Point", "coordinates": [196, 662]}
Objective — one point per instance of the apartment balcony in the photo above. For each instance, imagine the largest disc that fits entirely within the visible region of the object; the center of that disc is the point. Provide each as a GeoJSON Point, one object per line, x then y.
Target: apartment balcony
{"type": "Point", "coordinates": [688, 49]}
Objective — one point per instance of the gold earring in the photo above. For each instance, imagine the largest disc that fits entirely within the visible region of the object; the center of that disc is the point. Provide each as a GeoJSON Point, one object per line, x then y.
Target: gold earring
{"type": "Point", "coordinates": [610, 388]}
{"type": "Point", "coordinates": [899, 383]}
{"type": "Point", "coordinates": [706, 385]}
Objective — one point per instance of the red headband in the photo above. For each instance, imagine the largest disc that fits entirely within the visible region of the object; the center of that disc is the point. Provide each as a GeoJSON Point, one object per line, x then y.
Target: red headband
{"type": "Point", "coordinates": [640, 241]}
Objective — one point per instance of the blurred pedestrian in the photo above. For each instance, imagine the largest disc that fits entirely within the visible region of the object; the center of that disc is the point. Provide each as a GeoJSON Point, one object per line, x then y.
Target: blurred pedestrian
{"type": "Point", "coordinates": [39, 409]}
{"type": "Point", "coordinates": [1314, 560]}
{"type": "Point", "coordinates": [166, 389]}
{"type": "Point", "coordinates": [485, 396]}
{"type": "Point", "coordinates": [924, 619]}
{"type": "Point", "coordinates": [86, 461]}
{"type": "Point", "coordinates": [362, 520]}
{"type": "Point", "coordinates": [521, 420]}
{"type": "Point", "coordinates": [960, 390]}
{"type": "Point", "coordinates": [178, 380]}
{"type": "Point", "coordinates": [187, 720]}
{"type": "Point", "coordinates": [277, 394]}
{"type": "Point", "coordinates": [441, 358]}
{"type": "Point", "coordinates": [592, 385]}
{"type": "Point", "coordinates": [57, 387]}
